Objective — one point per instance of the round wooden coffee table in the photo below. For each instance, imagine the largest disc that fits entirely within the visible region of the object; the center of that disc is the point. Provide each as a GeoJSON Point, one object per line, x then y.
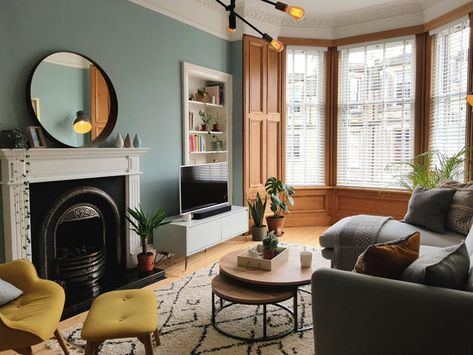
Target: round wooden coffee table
{"type": "Point", "coordinates": [287, 277]}
{"type": "Point", "coordinates": [237, 292]}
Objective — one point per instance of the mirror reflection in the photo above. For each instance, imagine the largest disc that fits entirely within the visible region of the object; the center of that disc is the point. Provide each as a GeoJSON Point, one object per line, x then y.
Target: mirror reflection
{"type": "Point", "coordinates": [70, 98]}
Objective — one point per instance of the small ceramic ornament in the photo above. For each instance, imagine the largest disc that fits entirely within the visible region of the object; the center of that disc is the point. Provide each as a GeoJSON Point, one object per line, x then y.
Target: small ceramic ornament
{"type": "Point", "coordinates": [136, 141]}
{"type": "Point", "coordinates": [119, 141]}
{"type": "Point", "coordinates": [128, 141]}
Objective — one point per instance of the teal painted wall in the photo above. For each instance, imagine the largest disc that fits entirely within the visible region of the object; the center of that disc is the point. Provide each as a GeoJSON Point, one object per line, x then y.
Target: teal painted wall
{"type": "Point", "coordinates": [62, 91]}
{"type": "Point", "coordinates": [141, 51]}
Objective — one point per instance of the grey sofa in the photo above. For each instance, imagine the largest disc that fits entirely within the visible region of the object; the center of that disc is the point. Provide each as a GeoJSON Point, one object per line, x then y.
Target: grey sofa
{"type": "Point", "coordinates": [357, 314]}
{"type": "Point", "coordinates": [391, 230]}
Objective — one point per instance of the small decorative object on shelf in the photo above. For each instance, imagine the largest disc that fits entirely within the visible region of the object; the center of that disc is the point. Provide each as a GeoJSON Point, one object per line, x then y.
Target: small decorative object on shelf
{"type": "Point", "coordinates": [270, 244]}
{"type": "Point", "coordinates": [136, 141]}
{"type": "Point", "coordinates": [119, 141]}
{"type": "Point", "coordinates": [217, 145]}
{"type": "Point", "coordinates": [257, 210]}
{"type": "Point", "coordinates": [281, 195]}
{"type": "Point", "coordinates": [35, 137]}
{"type": "Point", "coordinates": [13, 139]}
{"type": "Point", "coordinates": [127, 143]}
{"type": "Point", "coordinates": [144, 224]}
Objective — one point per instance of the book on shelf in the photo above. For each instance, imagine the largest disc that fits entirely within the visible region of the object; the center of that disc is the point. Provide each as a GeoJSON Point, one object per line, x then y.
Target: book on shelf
{"type": "Point", "coordinates": [191, 121]}
{"type": "Point", "coordinates": [215, 89]}
{"type": "Point", "coordinates": [196, 143]}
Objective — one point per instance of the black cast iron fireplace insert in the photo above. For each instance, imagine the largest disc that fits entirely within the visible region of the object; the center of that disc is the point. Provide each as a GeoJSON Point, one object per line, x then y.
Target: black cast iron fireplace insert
{"type": "Point", "coordinates": [79, 238]}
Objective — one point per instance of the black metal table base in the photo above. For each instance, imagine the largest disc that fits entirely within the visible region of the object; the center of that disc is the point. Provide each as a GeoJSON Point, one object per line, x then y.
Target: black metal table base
{"type": "Point", "coordinates": [293, 312]}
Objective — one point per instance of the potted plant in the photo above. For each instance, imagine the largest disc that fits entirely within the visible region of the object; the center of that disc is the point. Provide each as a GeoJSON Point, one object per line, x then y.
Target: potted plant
{"type": "Point", "coordinates": [257, 209]}
{"type": "Point", "coordinates": [143, 224]}
{"type": "Point", "coordinates": [270, 244]}
{"type": "Point", "coordinates": [280, 195]}
{"type": "Point", "coordinates": [431, 169]}
{"type": "Point", "coordinates": [217, 126]}
{"type": "Point", "coordinates": [206, 118]}
{"type": "Point", "coordinates": [202, 95]}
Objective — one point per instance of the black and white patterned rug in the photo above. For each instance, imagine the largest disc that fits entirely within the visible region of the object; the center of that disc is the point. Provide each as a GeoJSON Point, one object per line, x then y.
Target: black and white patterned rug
{"type": "Point", "coordinates": [184, 315]}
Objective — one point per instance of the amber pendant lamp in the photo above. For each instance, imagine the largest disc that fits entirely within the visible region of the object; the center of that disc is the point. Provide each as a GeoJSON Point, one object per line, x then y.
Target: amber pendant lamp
{"type": "Point", "coordinates": [296, 12]}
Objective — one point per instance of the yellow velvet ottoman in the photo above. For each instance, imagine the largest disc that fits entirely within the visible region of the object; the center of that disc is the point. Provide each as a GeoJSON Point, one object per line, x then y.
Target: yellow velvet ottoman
{"type": "Point", "coordinates": [122, 314]}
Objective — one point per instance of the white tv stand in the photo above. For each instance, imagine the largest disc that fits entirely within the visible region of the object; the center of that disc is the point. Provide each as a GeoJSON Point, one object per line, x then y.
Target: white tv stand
{"type": "Point", "coordinates": [187, 238]}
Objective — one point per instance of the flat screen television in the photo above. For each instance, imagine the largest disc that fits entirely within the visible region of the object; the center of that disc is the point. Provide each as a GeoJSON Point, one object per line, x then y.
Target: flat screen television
{"type": "Point", "coordinates": [203, 186]}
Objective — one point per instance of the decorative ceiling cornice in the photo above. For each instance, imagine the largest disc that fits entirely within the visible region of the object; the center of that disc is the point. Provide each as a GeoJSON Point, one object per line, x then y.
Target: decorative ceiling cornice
{"type": "Point", "coordinates": [400, 13]}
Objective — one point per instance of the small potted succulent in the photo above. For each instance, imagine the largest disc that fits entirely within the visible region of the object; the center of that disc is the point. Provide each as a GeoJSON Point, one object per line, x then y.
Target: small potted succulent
{"type": "Point", "coordinates": [257, 209]}
{"type": "Point", "coordinates": [281, 195]}
{"type": "Point", "coordinates": [270, 244]}
{"type": "Point", "coordinates": [206, 118]}
{"type": "Point", "coordinates": [144, 224]}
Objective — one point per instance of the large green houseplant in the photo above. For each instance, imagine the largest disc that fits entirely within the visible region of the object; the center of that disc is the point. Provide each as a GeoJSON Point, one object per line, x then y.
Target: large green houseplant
{"type": "Point", "coordinates": [144, 224]}
{"type": "Point", "coordinates": [431, 169]}
{"type": "Point", "coordinates": [281, 195]}
{"type": "Point", "coordinates": [258, 209]}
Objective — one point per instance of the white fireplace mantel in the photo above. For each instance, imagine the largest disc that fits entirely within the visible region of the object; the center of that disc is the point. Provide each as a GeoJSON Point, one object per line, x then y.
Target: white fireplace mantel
{"type": "Point", "coordinates": [21, 167]}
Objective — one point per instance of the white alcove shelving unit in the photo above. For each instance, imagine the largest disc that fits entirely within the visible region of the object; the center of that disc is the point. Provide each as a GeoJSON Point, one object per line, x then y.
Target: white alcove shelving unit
{"type": "Point", "coordinates": [196, 77]}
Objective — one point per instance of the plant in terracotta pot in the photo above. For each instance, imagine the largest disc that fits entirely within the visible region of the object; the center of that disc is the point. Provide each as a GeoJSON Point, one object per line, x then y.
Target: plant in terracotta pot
{"type": "Point", "coordinates": [270, 244]}
{"type": "Point", "coordinates": [257, 209]}
{"type": "Point", "coordinates": [217, 127]}
{"type": "Point", "coordinates": [144, 224]}
{"type": "Point", "coordinates": [281, 195]}
{"type": "Point", "coordinates": [206, 118]}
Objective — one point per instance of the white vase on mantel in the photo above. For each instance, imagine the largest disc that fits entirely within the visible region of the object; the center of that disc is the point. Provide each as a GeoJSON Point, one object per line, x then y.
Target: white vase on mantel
{"type": "Point", "coordinates": [119, 141]}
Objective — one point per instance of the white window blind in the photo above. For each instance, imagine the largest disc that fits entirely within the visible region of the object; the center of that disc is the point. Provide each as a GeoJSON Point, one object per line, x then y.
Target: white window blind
{"type": "Point", "coordinates": [305, 119]}
{"type": "Point", "coordinates": [376, 113]}
{"type": "Point", "coordinates": [449, 88]}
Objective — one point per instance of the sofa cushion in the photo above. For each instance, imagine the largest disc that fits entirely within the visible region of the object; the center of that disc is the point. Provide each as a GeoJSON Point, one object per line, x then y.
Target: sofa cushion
{"type": "Point", "coordinates": [428, 208]}
{"type": "Point", "coordinates": [448, 267]}
{"type": "Point", "coordinates": [460, 213]}
{"type": "Point", "coordinates": [393, 230]}
{"type": "Point", "coordinates": [8, 292]}
{"type": "Point", "coordinates": [389, 259]}
{"type": "Point", "coordinates": [469, 248]}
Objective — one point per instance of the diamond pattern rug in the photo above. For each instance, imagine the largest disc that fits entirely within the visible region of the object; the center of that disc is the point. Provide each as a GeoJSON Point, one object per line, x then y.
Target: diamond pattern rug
{"type": "Point", "coordinates": [184, 309]}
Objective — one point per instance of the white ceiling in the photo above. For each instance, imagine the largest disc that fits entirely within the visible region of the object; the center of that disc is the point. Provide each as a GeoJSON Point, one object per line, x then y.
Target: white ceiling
{"type": "Point", "coordinates": [327, 19]}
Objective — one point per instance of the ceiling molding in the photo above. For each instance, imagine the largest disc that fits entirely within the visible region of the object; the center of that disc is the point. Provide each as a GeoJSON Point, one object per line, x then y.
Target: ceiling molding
{"type": "Point", "coordinates": [387, 16]}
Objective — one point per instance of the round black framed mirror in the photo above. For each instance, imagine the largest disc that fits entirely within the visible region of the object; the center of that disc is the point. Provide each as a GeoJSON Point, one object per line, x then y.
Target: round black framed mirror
{"type": "Point", "coordinates": [72, 98]}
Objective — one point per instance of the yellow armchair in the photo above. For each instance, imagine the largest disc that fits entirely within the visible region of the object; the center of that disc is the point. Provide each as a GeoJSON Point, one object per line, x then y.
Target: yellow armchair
{"type": "Point", "coordinates": [34, 316]}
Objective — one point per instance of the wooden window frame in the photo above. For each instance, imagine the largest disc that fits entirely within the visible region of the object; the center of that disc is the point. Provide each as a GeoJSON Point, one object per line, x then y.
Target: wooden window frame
{"type": "Point", "coordinates": [422, 85]}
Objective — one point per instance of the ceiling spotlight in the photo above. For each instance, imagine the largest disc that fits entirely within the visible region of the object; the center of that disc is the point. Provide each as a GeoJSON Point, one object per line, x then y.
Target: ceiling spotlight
{"type": "Point", "coordinates": [231, 22]}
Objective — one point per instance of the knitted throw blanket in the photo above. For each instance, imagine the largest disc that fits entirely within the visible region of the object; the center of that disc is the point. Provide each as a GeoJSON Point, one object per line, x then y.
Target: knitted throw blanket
{"type": "Point", "coordinates": [353, 239]}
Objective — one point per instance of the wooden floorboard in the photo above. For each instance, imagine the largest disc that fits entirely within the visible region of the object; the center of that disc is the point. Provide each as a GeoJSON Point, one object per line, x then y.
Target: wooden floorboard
{"type": "Point", "coordinates": [174, 266]}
